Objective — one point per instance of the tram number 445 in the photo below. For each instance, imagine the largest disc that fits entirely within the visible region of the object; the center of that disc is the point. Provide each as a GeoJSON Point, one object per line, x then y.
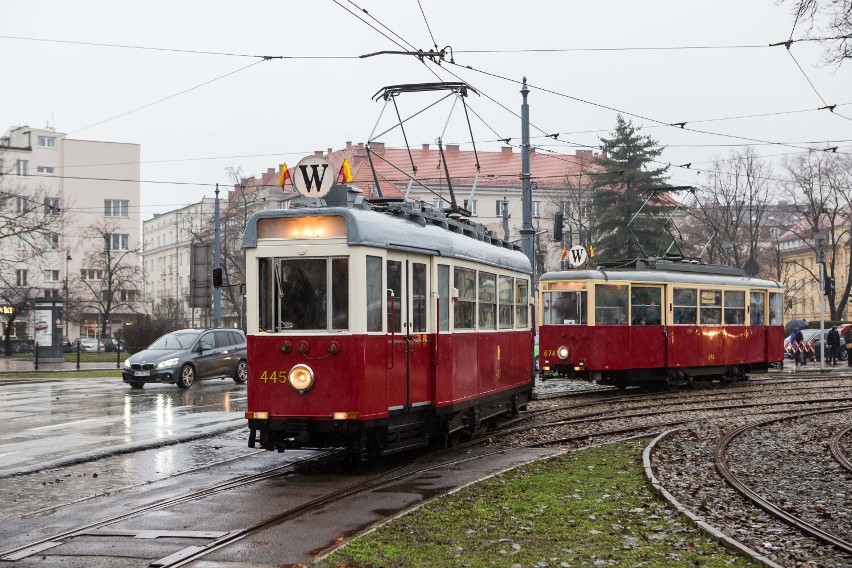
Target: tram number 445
{"type": "Point", "coordinates": [274, 377]}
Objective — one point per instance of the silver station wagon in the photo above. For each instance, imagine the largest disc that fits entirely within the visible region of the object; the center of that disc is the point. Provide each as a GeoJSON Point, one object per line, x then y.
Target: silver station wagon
{"type": "Point", "coordinates": [184, 356]}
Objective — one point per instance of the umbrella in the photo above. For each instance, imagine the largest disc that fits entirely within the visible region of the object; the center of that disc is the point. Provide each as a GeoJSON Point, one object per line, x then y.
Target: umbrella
{"type": "Point", "coordinates": [801, 324]}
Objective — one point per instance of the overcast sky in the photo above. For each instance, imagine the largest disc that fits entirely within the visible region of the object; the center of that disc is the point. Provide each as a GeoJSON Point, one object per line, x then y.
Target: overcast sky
{"type": "Point", "coordinates": [266, 112]}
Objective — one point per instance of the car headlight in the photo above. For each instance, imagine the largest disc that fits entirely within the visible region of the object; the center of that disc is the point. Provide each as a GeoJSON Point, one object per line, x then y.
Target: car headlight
{"type": "Point", "coordinates": [167, 363]}
{"type": "Point", "coordinates": [562, 352]}
{"type": "Point", "coordinates": [127, 363]}
{"type": "Point", "coordinates": [301, 377]}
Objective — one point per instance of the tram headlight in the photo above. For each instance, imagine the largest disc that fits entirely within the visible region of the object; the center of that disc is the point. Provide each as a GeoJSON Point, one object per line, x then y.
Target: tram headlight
{"type": "Point", "coordinates": [562, 352]}
{"type": "Point", "coordinates": [301, 377]}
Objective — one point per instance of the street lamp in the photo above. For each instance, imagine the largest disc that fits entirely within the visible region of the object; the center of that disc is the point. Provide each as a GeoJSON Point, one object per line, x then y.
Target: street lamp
{"type": "Point", "coordinates": [819, 241]}
{"type": "Point", "coordinates": [67, 258]}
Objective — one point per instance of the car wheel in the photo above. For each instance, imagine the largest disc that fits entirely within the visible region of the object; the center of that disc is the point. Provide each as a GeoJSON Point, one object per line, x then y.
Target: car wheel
{"type": "Point", "coordinates": [241, 373]}
{"type": "Point", "coordinates": [136, 385]}
{"type": "Point", "coordinates": [187, 375]}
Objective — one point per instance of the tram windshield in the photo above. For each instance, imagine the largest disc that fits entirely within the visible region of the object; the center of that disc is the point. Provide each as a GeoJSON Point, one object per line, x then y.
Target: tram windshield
{"type": "Point", "coordinates": [565, 308]}
{"type": "Point", "coordinates": [303, 294]}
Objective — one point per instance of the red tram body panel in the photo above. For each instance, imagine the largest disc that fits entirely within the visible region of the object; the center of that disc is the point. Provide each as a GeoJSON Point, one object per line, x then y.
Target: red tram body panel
{"type": "Point", "coordinates": [659, 320]}
{"type": "Point", "coordinates": [380, 331]}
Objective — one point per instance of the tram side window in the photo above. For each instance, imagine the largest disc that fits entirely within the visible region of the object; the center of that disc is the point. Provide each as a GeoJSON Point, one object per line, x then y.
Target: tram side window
{"type": "Point", "coordinates": [340, 293]}
{"type": "Point", "coordinates": [394, 312]}
{"type": "Point", "coordinates": [487, 300]}
{"type": "Point", "coordinates": [444, 297]}
{"type": "Point", "coordinates": [522, 307]}
{"type": "Point", "coordinates": [374, 293]}
{"type": "Point", "coordinates": [711, 307]}
{"type": "Point", "coordinates": [646, 305]}
{"type": "Point", "coordinates": [418, 296]}
{"type": "Point", "coordinates": [303, 295]}
{"type": "Point", "coordinates": [685, 302]}
{"type": "Point", "coordinates": [464, 281]}
{"type": "Point", "coordinates": [267, 300]}
{"type": "Point", "coordinates": [734, 307]}
{"type": "Point", "coordinates": [776, 308]}
{"type": "Point", "coordinates": [757, 308]}
{"type": "Point", "coordinates": [611, 304]}
{"type": "Point", "coordinates": [564, 308]}
{"type": "Point", "coordinates": [507, 302]}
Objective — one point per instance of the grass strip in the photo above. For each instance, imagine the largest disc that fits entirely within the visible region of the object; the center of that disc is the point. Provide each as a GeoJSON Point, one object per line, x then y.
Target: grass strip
{"type": "Point", "coordinates": [587, 508]}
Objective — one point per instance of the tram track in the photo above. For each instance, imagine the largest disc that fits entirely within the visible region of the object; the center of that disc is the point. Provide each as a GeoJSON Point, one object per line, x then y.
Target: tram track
{"type": "Point", "coordinates": [837, 449]}
{"type": "Point", "coordinates": [722, 466]}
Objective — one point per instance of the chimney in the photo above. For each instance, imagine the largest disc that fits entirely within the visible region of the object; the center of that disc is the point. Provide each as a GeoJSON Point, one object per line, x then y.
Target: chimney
{"type": "Point", "coordinates": [452, 147]}
{"type": "Point", "coordinates": [378, 147]}
{"type": "Point", "coordinates": [360, 145]}
{"type": "Point", "coordinates": [270, 171]}
{"type": "Point", "coordinates": [425, 146]}
{"type": "Point", "coordinates": [318, 153]}
{"type": "Point", "coordinates": [330, 150]}
{"type": "Point", "coordinates": [506, 150]}
{"type": "Point", "coordinates": [348, 144]}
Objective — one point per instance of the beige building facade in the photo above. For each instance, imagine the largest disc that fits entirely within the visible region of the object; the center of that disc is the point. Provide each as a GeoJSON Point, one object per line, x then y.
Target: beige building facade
{"type": "Point", "coordinates": [93, 188]}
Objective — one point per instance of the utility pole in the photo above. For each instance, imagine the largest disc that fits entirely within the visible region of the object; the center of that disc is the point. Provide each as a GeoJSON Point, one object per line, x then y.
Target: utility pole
{"type": "Point", "coordinates": [527, 230]}
{"type": "Point", "coordinates": [217, 261]}
{"type": "Point", "coordinates": [820, 240]}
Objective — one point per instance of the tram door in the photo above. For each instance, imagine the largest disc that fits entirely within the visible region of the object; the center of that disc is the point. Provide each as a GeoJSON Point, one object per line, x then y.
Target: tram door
{"type": "Point", "coordinates": [408, 368]}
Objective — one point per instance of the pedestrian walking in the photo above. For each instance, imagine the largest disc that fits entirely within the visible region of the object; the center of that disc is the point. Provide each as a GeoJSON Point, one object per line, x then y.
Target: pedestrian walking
{"type": "Point", "coordinates": [848, 338]}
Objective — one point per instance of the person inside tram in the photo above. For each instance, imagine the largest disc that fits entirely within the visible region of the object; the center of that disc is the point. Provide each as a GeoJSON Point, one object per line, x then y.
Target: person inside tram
{"type": "Point", "coordinates": [297, 299]}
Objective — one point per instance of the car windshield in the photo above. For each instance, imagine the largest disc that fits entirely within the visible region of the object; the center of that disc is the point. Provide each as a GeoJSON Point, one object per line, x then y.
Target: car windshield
{"type": "Point", "coordinates": [175, 340]}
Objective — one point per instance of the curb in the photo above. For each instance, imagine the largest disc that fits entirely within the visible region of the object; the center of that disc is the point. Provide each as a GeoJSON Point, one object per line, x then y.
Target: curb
{"type": "Point", "coordinates": [723, 539]}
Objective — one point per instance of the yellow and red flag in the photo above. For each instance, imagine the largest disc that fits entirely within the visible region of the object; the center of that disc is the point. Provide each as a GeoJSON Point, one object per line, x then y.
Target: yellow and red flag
{"type": "Point", "coordinates": [564, 253]}
{"type": "Point", "coordinates": [591, 251]}
{"type": "Point", "coordinates": [345, 171]}
{"type": "Point", "coordinates": [285, 175]}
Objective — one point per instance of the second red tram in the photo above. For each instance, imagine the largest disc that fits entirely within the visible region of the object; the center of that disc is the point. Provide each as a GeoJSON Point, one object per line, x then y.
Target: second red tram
{"type": "Point", "coordinates": [379, 329]}
{"type": "Point", "coordinates": [658, 321]}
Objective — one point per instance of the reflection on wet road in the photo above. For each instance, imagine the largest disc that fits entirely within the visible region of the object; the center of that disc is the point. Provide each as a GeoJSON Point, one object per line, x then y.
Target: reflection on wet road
{"type": "Point", "coordinates": [45, 424]}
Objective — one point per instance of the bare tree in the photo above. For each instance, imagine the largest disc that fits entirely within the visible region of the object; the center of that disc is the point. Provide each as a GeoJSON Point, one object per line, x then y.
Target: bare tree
{"type": "Point", "coordinates": [817, 186]}
{"type": "Point", "coordinates": [117, 274]}
{"type": "Point", "coordinates": [833, 18]}
{"type": "Point", "coordinates": [729, 219]}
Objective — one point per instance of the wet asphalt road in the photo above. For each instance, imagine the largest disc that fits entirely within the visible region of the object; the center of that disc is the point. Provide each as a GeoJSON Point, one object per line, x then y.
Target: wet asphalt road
{"type": "Point", "coordinates": [51, 423]}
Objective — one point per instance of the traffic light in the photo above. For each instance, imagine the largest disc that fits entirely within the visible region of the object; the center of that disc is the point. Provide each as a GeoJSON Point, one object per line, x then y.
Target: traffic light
{"type": "Point", "coordinates": [217, 277]}
{"type": "Point", "coordinates": [558, 219]}
{"type": "Point", "coordinates": [829, 286]}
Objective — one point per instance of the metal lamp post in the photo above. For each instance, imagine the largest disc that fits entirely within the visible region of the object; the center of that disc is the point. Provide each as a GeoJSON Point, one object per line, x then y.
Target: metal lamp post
{"type": "Point", "coordinates": [67, 258]}
{"type": "Point", "coordinates": [819, 241]}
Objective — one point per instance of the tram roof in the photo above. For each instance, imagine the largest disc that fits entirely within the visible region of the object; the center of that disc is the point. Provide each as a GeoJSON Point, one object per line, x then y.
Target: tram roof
{"type": "Point", "coordinates": [670, 272]}
{"type": "Point", "coordinates": [407, 232]}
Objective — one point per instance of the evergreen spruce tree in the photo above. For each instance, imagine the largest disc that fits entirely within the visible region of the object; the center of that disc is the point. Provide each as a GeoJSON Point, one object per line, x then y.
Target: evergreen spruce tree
{"type": "Point", "coordinates": [620, 190]}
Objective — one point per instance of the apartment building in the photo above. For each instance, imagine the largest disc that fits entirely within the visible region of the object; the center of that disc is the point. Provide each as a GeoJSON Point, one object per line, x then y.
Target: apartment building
{"type": "Point", "coordinates": [81, 198]}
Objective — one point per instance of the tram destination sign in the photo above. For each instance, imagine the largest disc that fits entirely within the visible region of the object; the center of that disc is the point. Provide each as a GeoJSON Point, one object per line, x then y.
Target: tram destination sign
{"type": "Point", "coordinates": [313, 177]}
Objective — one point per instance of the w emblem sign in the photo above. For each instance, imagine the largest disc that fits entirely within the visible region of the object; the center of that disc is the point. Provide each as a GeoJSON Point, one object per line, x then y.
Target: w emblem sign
{"type": "Point", "coordinates": [313, 176]}
{"type": "Point", "coordinates": [577, 256]}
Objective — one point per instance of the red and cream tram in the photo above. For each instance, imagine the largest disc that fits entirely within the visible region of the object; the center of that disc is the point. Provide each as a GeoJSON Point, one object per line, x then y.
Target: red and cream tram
{"type": "Point", "coordinates": [658, 320]}
{"type": "Point", "coordinates": [379, 329]}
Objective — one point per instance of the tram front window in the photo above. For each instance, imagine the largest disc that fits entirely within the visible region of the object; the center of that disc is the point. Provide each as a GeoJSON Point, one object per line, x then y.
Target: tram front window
{"type": "Point", "coordinates": [565, 308]}
{"type": "Point", "coordinates": [294, 294]}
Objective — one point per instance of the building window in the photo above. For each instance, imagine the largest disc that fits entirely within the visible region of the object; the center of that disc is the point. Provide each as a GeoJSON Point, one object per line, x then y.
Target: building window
{"type": "Point", "coordinates": [536, 208]}
{"type": "Point", "coordinates": [21, 277]}
{"type": "Point", "coordinates": [51, 293]}
{"type": "Point", "coordinates": [46, 170]}
{"type": "Point", "coordinates": [501, 206]}
{"type": "Point", "coordinates": [21, 243]}
{"type": "Point", "coordinates": [51, 275]}
{"type": "Point", "coordinates": [21, 167]}
{"type": "Point", "coordinates": [128, 295]}
{"type": "Point", "coordinates": [51, 241]}
{"type": "Point", "coordinates": [47, 142]}
{"type": "Point", "coordinates": [115, 207]}
{"type": "Point", "coordinates": [51, 206]}
{"type": "Point", "coordinates": [470, 205]}
{"type": "Point", "coordinates": [23, 205]}
{"type": "Point", "coordinates": [117, 241]}
{"type": "Point", "coordinates": [91, 274]}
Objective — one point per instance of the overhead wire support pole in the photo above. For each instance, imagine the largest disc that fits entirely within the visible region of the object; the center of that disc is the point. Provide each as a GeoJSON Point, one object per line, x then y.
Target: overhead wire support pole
{"type": "Point", "coordinates": [217, 261]}
{"type": "Point", "coordinates": [527, 231]}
